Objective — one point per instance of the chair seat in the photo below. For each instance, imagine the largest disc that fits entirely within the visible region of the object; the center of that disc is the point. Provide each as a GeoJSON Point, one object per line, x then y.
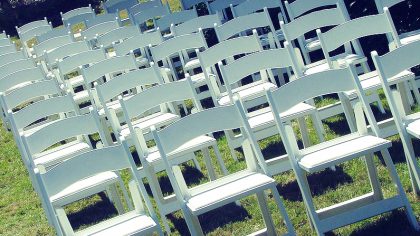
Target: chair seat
{"type": "Point", "coordinates": [248, 92]}
{"type": "Point", "coordinates": [339, 150]}
{"type": "Point", "coordinates": [228, 189]}
{"type": "Point", "coordinates": [353, 59]}
{"type": "Point", "coordinates": [313, 44]}
{"type": "Point", "coordinates": [83, 188]}
{"type": "Point", "coordinates": [189, 147]}
{"type": "Point", "coordinates": [130, 223]}
{"type": "Point", "coordinates": [142, 61]}
{"type": "Point", "coordinates": [409, 37]}
{"type": "Point", "coordinates": [56, 155]}
{"type": "Point", "coordinates": [198, 79]}
{"type": "Point", "coordinates": [158, 120]}
{"type": "Point", "coordinates": [264, 38]}
{"type": "Point", "coordinates": [322, 65]}
{"type": "Point", "coordinates": [371, 81]}
{"type": "Point", "coordinates": [192, 64]}
{"type": "Point", "coordinates": [82, 96]}
{"type": "Point", "coordinates": [76, 81]}
{"type": "Point", "coordinates": [114, 105]}
{"type": "Point", "coordinates": [413, 128]}
{"type": "Point", "coordinates": [265, 119]}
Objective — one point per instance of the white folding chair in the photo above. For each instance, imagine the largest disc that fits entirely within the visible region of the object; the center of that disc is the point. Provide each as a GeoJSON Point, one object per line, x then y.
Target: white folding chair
{"type": "Point", "coordinates": [353, 30]}
{"type": "Point", "coordinates": [389, 67]}
{"type": "Point", "coordinates": [91, 33]}
{"type": "Point", "coordinates": [336, 151]}
{"type": "Point", "coordinates": [42, 48]}
{"type": "Point", "coordinates": [192, 26]}
{"type": "Point", "coordinates": [252, 95]}
{"type": "Point", "coordinates": [141, 6]}
{"type": "Point", "coordinates": [55, 32]}
{"type": "Point", "coordinates": [101, 18]}
{"type": "Point", "coordinates": [14, 66]}
{"type": "Point", "coordinates": [165, 22]}
{"type": "Point", "coordinates": [11, 57]}
{"type": "Point", "coordinates": [29, 31]}
{"type": "Point", "coordinates": [57, 54]}
{"type": "Point", "coordinates": [141, 18]}
{"type": "Point", "coordinates": [220, 6]}
{"type": "Point", "coordinates": [215, 194]}
{"type": "Point", "coordinates": [73, 174]}
{"type": "Point", "coordinates": [139, 45]}
{"type": "Point", "coordinates": [118, 35]}
{"type": "Point", "coordinates": [245, 24]}
{"type": "Point", "coordinates": [406, 37]}
{"type": "Point", "coordinates": [150, 158]}
{"type": "Point", "coordinates": [76, 16]}
{"type": "Point", "coordinates": [7, 49]}
{"type": "Point", "coordinates": [116, 6]}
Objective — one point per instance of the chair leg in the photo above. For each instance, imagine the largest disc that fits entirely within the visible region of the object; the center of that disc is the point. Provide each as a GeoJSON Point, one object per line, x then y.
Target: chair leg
{"type": "Point", "coordinates": [391, 168]}
{"type": "Point", "coordinates": [373, 177]}
{"type": "Point", "coordinates": [228, 135]}
{"type": "Point", "coordinates": [220, 160]}
{"type": "Point", "coordinates": [65, 226]}
{"type": "Point", "coordinates": [319, 128]}
{"type": "Point", "coordinates": [113, 196]}
{"type": "Point", "coordinates": [262, 202]}
{"type": "Point", "coordinates": [209, 165]}
{"type": "Point", "coordinates": [415, 90]}
{"type": "Point", "coordinates": [348, 112]}
{"type": "Point", "coordinates": [125, 194]}
{"type": "Point", "coordinates": [193, 223]}
{"type": "Point", "coordinates": [280, 205]}
{"type": "Point", "coordinates": [196, 163]}
{"type": "Point", "coordinates": [304, 131]}
{"type": "Point", "coordinates": [412, 163]}
{"type": "Point", "coordinates": [165, 224]}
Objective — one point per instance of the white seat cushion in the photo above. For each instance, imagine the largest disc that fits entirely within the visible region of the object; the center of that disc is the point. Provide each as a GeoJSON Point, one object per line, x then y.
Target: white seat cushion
{"type": "Point", "coordinates": [82, 96]}
{"type": "Point", "coordinates": [413, 128]}
{"type": "Point", "coordinates": [339, 150]}
{"type": "Point", "coordinates": [56, 155]}
{"type": "Point", "coordinates": [192, 64]}
{"type": "Point", "coordinates": [228, 189]}
{"type": "Point", "coordinates": [248, 92]}
{"type": "Point", "coordinates": [128, 224]}
{"type": "Point", "coordinates": [313, 44]}
{"type": "Point", "coordinates": [351, 59]}
{"type": "Point", "coordinates": [83, 188]}
{"type": "Point", "coordinates": [198, 79]}
{"type": "Point", "coordinates": [76, 81]}
{"type": "Point", "coordinates": [158, 120]}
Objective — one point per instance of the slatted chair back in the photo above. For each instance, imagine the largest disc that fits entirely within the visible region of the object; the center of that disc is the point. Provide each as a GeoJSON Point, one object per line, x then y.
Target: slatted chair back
{"type": "Point", "coordinates": [66, 50]}
{"type": "Point", "coordinates": [77, 15]}
{"type": "Point", "coordinates": [141, 17]}
{"type": "Point", "coordinates": [102, 18]}
{"type": "Point", "coordinates": [355, 29]}
{"type": "Point", "coordinates": [298, 8]}
{"type": "Point", "coordinates": [250, 6]}
{"type": "Point", "coordinates": [114, 6]}
{"type": "Point", "coordinates": [258, 62]}
{"type": "Point", "coordinates": [99, 29]}
{"type": "Point", "coordinates": [15, 66]}
{"type": "Point", "coordinates": [115, 158]}
{"type": "Point", "coordinates": [7, 49]}
{"type": "Point", "coordinates": [220, 6]}
{"type": "Point", "coordinates": [390, 65]}
{"type": "Point", "coordinates": [117, 35]}
{"type": "Point", "coordinates": [142, 6]}
{"type": "Point", "coordinates": [42, 48]}
{"type": "Point", "coordinates": [24, 76]}
{"type": "Point", "coordinates": [192, 26]}
{"type": "Point", "coordinates": [242, 24]}
{"type": "Point", "coordinates": [10, 57]}
{"type": "Point", "coordinates": [74, 62]}
{"type": "Point", "coordinates": [140, 42]}
{"type": "Point", "coordinates": [32, 25]}
{"type": "Point", "coordinates": [55, 32]}
{"type": "Point", "coordinates": [27, 35]}
{"type": "Point", "coordinates": [164, 23]}
{"type": "Point", "coordinates": [5, 41]}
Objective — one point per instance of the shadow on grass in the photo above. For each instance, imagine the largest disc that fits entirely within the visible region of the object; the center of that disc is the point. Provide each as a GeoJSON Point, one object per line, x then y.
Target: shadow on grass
{"type": "Point", "coordinates": [91, 214]}
{"type": "Point", "coordinates": [319, 183]}
{"type": "Point", "coordinates": [213, 219]}
{"type": "Point", "coordinates": [395, 223]}
{"type": "Point", "coordinates": [397, 151]}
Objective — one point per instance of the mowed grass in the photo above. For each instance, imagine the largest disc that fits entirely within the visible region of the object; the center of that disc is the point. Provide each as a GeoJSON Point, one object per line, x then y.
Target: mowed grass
{"type": "Point", "coordinates": [21, 212]}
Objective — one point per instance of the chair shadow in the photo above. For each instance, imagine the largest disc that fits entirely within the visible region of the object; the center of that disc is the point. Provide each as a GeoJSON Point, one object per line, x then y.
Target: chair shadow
{"type": "Point", "coordinates": [213, 219]}
{"type": "Point", "coordinates": [338, 124]}
{"type": "Point", "coordinates": [394, 224]}
{"type": "Point", "coordinates": [102, 210]}
{"type": "Point", "coordinates": [397, 152]}
{"type": "Point", "coordinates": [319, 183]}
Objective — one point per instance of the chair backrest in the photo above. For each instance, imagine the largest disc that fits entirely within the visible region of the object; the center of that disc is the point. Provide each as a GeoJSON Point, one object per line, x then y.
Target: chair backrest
{"type": "Point", "coordinates": [118, 34]}
{"type": "Point", "coordinates": [298, 8]}
{"type": "Point", "coordinates": [108, 66]}
{"type": "Point", "coordinates": [250, 6]}
{"type": "Point", "coordinates": [71, 63]}
{"type": "Point", "coordinates": [245, 23]}
{"type": "Point", "coordinates": [380, 4]}
{"type": "Point", "coordinates": [99, 29]}
{"type": "Point", "coordinates": [178, 44]}
{"type": "Point", "coordinates": [42, 109]}
{"type": "Point", "coordinates": [102, 18]}
{"type": "Point", "coordinates": [14, 66]}
{"type": "Point", "coordinates": [10, 57]}
{"type": "Point", "coordinates": [142, 6]}
{"type": "Point", "coordinates": [55, 32]}
{"type": "Point", "coordinates": [77, 15]}
{"type": "Point", "coordinates": [151, 13]}
{"type": "Point", "coordinates": [155, 96]}
{"type": "Point", "coordinates": [52, 43]}
{"type": "Point", "coordinates": [192, 26]}
{"type": "Point", "coordinates": [66, 50]}
{"type": "Point", "coordinates": [175, 18]}
{"type": "Point", "coordinates": [355, 29]}
{"type": "Point", "coordinates": [5, 41]}
{"type": "Point", "coordinates": [32, 25]}
{"type": "Point", "coordinates": [30, 34]}
{"type": "Point", "coordinates": [11, 80]}
{"type": "Point", "coordinates": [132, 79]}
{"type": "Point", "coordinates": [112, 6]}
{"type": "Point", "coordinates": [220, 5]}
{"type": "Point", "coordinates": [138, 42]}
{"type": "Point", "coordinates": [61, 130]}
{"type": "Point", "coordinates": [187, 4]}
{"type": "Point", "coordinates": [7, 49]}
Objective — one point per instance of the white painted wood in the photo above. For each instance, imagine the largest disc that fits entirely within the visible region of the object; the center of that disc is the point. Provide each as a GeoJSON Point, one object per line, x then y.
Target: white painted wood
{"type": "Point", "coordinates": [141, 42]}
{"type": "Point", "coordinates": [99, 29]}
{"type": "Point", "coordinates": [117, 35]}
{"type": "Point", "coordinates": [15, 66]}
{"type": "Point", "coordinates": [100, 19]}
{"type": "Point", "coordinates": [141, 17]}
{"type": "Point", "coordinates": [7, 49]}
{"type": "Point", "coordinates": [192, 26]}
{"type": "Point", "coordinates": [175, 18]}
{"type": "Point", "coordinates": [141, 6]}
{"type": "Point", "coordinates": [50, 44]}
{"type": "Point", "coordinates": [66, 50]}
{"type": "Point", "coordinates": [55, 32]}
{"type": "Point", "coordinates": [77, 15]}
{"type": "Point", "coordinates": [10, 57]}
{"type": "Point", "coordinates": [113, 6]}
